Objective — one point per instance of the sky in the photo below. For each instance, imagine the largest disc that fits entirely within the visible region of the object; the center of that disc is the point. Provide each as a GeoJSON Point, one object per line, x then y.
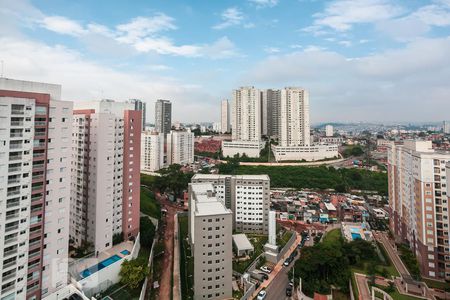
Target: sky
{"type": "Point", "coordinates": [361, 60]}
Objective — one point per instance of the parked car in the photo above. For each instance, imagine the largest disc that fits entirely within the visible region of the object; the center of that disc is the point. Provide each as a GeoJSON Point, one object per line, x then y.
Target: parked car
{"type": "Point", "coordinates": [287, 261]}
{"type": "Point", "coordinates": [266, 269]}
{"type": "Point", "coordinates": [262, 295]}
{"type": "Point", "coordinates": [265, 276]}
{"type": "Point", "coordinates": [289, 291]}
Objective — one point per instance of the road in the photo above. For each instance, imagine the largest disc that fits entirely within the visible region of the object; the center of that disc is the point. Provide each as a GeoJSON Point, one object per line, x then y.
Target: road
{"type": "Point", "coordinates": [277, 288]}
{"type": "Point", "coordinates": [381, 237]}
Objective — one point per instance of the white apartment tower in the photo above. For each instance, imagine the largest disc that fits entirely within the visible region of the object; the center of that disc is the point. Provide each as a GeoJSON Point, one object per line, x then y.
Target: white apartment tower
{"type": "Point", "coordinates": [418, 199]}
{"type": "Point", "coordinates": [105, 173]}
{"type": "Point", "coordinates": [271, 101]}
{"type": "Point", "coordinates": [224, 116]}
{"type": "Point", "coordinates": [210, 235]}
{"type": "Point", "coordinates": [246, 114]}
{"type": "Point", "coordinates": [180, 147]}
{"type": "Point", "coordinates": [294, 117]}
{"type": "Point", "coordinates": [329, 130]}
{"type": "Point", "coordinates": [163, 116]}
{"type": "Point", "coordinates": [248, 197]}
{"type": "Point", "coordinates": [152, 148]}
{"type": "Point", "coordinates": [35, 131]}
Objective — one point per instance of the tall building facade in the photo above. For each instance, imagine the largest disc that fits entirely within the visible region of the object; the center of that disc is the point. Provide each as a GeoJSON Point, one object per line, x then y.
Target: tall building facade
{"type": "Point", "coordinates": [105, 194]}
{"type": "Point", "coordinates": [446, 127]}
{"type": "Point", "coordinates": [140, 106]}
{"type": "Point", "coordinates": [294, 117]}
{"type": "Point", "coordinates": [210, 235]}
{"type": "Point", "coordinates": [163, 116]}
{"type": "Point", "coordinates": [35, 130]}
{"type": "Point", "coordinates": [418, 199]}
{"type": "Point", "coordinates": [224, 116]}
{"type": "Point", "coordinates": [152, 151]}
{"type": "Point", "coordinates": [329, 130]}
{"type": "Point", "coordinates": [248, 197]}
{"type": "Point", "coordinates": [246, 114]}
{"type": "Point", "coordinates": [271, 101]}
{"type": "Point", "coordinates": [180, 147]}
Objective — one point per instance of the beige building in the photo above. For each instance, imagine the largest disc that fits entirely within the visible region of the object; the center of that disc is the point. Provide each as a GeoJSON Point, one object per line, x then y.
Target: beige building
{"type": "Point", "coordinates": [418, 199]}
{"type": "Point", "coordinates": [248, 197]}
{"type": "Point", "coordinates": [210, 236]}
{"type": "Point", "coordinates": [225, 116]}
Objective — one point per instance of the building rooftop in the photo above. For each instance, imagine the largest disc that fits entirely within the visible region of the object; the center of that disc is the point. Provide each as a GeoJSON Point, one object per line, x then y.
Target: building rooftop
{"type": "Point", "coordinates": [241, 242]}
{"type": "Point", "coordinates": [206, 202]}
{"type": "Point", "coordinates": [221, 176]}
{"type": "Point", "coordinates": [330, 206]}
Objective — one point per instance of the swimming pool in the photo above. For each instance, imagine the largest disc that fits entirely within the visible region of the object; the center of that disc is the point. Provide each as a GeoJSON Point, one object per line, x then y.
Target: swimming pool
{"type": "Point", "coordinates": [101, 265]}
{"type": "Point", "coordinates": [356, 236]}
{"type": "Point", "coordinates": [125, 252]}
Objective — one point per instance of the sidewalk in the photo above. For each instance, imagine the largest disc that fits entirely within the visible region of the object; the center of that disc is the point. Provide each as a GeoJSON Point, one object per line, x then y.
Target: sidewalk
{"type": "Point", "coordinates": [176, 261]}
{"type": "Point", "coordinates": [278, 266]}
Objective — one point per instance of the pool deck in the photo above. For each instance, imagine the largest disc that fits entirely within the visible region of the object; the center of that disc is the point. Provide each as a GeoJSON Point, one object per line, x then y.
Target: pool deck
{"type": "Point", "coordinates": [355, 228]}
{"type": "Point", "coordinates": [88, 262]}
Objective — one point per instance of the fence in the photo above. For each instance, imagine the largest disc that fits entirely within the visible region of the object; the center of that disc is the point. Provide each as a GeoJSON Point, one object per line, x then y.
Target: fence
{"type": "Point", "coordinates": [287, 246]}
{"type": "Point", "coordinates": [150, 260]}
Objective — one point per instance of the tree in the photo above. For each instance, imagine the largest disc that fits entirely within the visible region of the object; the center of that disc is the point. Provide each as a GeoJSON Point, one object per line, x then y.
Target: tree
{"type": "Point", "coordinates": [133, 272]}
{"type": "Point", "coordinates": [117, 238]}
{"type": "Point", "coordinates": [147, 230]}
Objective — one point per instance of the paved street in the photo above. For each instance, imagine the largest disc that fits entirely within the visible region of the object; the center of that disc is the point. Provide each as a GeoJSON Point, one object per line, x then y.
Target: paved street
{"type": "Point", "coordinates": [277, 289]}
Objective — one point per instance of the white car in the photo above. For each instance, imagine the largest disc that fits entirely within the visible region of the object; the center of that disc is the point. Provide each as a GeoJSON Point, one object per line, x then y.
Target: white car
{"type": "Point", "coordinates": [262, 295]}
{"type": "Point", "coordinates": [266, 269]}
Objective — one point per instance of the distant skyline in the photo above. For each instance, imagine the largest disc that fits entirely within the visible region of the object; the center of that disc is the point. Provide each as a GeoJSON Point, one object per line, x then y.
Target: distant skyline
{"type": "Point", "coordinates": [361, 60]}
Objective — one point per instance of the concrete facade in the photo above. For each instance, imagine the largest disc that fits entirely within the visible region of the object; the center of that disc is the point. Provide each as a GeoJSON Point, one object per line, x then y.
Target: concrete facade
{"type": "Point", "coordinates": [180, 147]}
{"type": "Point", "coordinates": [225, 116]}
{"type": "Point", "coordinates": [35, 130]}
{"type": "Point", "coordinates": [152, 148]}
{"type": "Point", "coordinates": [248, 197]}
{"type": "Point", "coordinates": [210, 236]}
{"type": "Point", "coordinates": [105, 173]}
{"type": "Point", "coordinates": [307, 153]}
{"type": "Point", "coordinates": [418, 200]}
{"type": "Point", "coordinates": [163, 116]}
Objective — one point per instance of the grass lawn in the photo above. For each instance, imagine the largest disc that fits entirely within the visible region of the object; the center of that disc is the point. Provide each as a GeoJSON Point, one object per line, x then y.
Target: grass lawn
{"type": "Point", "coordinates": [186, 260]}
{"type": "Point", "coordinates": [332, 235]}
{"type": "Point", "coordinates": [258, 242]}
{"type": "Point", "coordinates": [284, 239]}
{"type": "Point", "coordinates": [445, 286]}
{"type": "Point", "coordinates": [116, 292]}
{"type": "Point", "coordinates": [396, 295]}
{"type": "Point", "coordinates": [149, 205]}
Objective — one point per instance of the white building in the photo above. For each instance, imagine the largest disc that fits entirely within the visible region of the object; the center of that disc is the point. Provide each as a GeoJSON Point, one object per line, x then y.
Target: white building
{"type": "Point", "coordinates": [329, 130]}
{"type": "Point", "coordinates": [152, 151]}
{"type": "Point", "coordinates": [446, 127]}
{"type": "Point", "coordinates": [210, 233]}
{"type": "Point", "coordinates": [271, 101]}
{"type": "Point", "coordinates": [248, 197]}
{"type": "Point", "coordinates": [35, 131]}
{"type": "Point", "coordinates": [224, 116]}
{"type": "Point", "coordinates": [180, 147]}
{"type": "Point", "coordinates": [105, 193]}
{"type": "Point", "coordinates": [295, 138]}
{"type": "Point", "coordinates": [246, 123]}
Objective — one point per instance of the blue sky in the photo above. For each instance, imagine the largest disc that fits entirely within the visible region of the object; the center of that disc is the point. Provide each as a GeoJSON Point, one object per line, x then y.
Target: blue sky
{"type": "Point", "coordinates": [361, 60]}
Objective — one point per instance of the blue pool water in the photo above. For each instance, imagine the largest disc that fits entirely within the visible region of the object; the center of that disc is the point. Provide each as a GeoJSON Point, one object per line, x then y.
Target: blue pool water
{"type": "Point", "coordinates": [125, 252]}
{"type": "Point", "coordinates": [356, 236]}
{"type": "Point", "coordinates": [101, 265]}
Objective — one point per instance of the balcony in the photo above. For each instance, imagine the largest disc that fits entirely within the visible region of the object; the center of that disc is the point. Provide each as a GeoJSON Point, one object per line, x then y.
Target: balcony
{"type": "Point", "coordinates": [33, 265]}
{"type": "Point", "coordinates": [38, 242]}
{"type": "Point", "coordinates": [9, 252]}
{"type": "Point", "coordinates": [9, 276]}
{"type": "Point", "coordinates": [12, 216]}
{"type": "Point", "coordinates": [16, 123]}
{"type": "Point", "coordinates": [16, 146]}
{"type": "Point", "coordinates": [9, 264]}
{"type": "Point", "coordinates": [34, 254]}
{"type": "Point", "coordinates": [16, 134]}
{"type": "Point", "coordinates": [13, 193]}
{"type": "Point", "coordinates": [14, 169]}
{"type": "Point", "coordinates": [8, 288]}
{"type": "Point", "coordinates": [17, 111]}
{"type": "Point", "coordinates": [37, 187]}
{"type": "Point", "coordinates": [13, 180]}
{"type": "Point", "coordinates": [11, 228]}
{"type": "Point", "coordinates": [36, 198]}
{"type": "Point", "coordinates": [32, 289]}
{"type": "Point", "coordinates": [10, 240]}
{"type": "Point", "coordinates": [12, 204]}
{"type": "Point", "coordinates": [15, 157]}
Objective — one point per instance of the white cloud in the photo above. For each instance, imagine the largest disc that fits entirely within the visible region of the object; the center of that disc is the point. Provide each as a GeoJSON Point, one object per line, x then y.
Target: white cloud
{"type": "Point", "coordinates": [399, 84]}
{"type": "Point", "coordinates": [230, 17]}
{"type": "Point", "coordinates": [271, 50]}
{"type": "Point", "coordinates": [264, 3]}
{"type": "Point", "coordinates": [62, 25]}
{"type": "Point", "coordinates": [222, 48]}
{"type": "Point", "coordinates": [84, 80]}
{"type": "Point", "coordinates": [141, 27]}
{"type": "Point", "coordinates": [296, 46]}
{"type": "Point", "coordinates": [434, 15]}
{"type": "Point", "coordinates": [345, 43]}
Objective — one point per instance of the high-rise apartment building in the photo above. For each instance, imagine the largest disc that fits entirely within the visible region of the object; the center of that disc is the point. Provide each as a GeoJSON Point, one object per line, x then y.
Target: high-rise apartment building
{"type": "Point", "coordinates": [141, 106]}
{"type": "Point", "coordinates": [294, 117]}
{"type": "Point", "coordinates": [152, 151]}
{"type": "Point", "coordinates": [329, 130]}
{"type": "Point", "coordinates": [163, 116]}
{"type": "Point", "coordinates": [446, 127]}
{"type": "Point", "coordinates": [105, 193]}
{"type": "Point", "coordinates": [418, 199]}
{"type": "Point", "coordinates": [210, 235]}
{"type": "Point", "coordinates": [271, 101]}
{"type": "Point", "coordinates": [180, 147]}
{"type": "Point", "coordinates": [224, 116]}
{"type": "Point", "coordinates": [248, 197]}
{"type": "Point", "coordinates": [246, 124]}
{"type": "Point", "coordinates": [35, 131]}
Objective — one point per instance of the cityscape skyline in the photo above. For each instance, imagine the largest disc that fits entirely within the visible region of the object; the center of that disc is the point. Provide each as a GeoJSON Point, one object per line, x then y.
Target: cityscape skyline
{"type": "Point", "coordinates": [353, 64]}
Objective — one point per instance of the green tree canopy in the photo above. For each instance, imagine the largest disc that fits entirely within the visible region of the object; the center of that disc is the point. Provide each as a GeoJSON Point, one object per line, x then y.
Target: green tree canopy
{"type": "Point", "coordinates": [133, 272]}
